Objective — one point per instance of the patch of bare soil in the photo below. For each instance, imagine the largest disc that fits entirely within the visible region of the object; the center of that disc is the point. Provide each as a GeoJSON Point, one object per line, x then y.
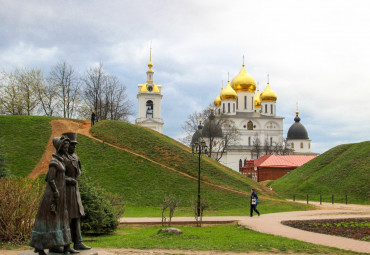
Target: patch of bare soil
{"type": "Point", "coordinates": [355, 228]}
{"type": "Point", "coordinates": [58, 128]}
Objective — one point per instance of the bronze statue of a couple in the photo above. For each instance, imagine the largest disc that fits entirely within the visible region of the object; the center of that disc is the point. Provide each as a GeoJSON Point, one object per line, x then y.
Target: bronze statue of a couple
{"type": "Point", "coordinates": [57, 222]}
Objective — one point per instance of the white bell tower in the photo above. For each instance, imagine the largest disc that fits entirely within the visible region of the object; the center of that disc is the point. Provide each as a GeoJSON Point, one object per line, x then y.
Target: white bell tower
{"type": "Point", "coordinates": [149, 102]}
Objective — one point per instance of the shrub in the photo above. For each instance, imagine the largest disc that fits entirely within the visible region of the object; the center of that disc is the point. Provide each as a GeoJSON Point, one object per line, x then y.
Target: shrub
{"type": "Point", "coordinates": [19, 201]}
{"type": "Point", "coordinates": [100, 217]}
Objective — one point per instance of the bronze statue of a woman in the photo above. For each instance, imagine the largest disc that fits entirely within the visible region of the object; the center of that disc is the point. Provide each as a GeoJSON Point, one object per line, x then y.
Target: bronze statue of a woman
{"type": "Point", "coordinates": [51, 229]}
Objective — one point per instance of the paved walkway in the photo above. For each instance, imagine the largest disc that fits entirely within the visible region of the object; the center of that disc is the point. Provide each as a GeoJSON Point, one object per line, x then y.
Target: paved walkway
{"type": "Point", "coordinates": [271, 224]}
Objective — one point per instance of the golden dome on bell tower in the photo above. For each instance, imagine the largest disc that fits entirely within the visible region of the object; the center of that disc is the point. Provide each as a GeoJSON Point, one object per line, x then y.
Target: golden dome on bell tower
{"type": "Point", "coordinates": [243, 81]}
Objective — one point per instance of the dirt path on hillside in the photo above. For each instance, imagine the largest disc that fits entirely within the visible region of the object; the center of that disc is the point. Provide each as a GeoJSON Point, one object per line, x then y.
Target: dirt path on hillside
{"type": "Point", "coordinates": [62, 126]}
{"type": "Point", "coordinates": [58, 127]}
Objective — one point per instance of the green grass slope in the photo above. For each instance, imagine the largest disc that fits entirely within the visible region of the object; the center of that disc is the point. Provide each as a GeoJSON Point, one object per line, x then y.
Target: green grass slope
{"type": "Point", "coordinates": [144, 184]}
{"type": "Point", "coordinates": [24, 139]}
{"type": "Point", "coordinates": [167, 151]}
{"type": "Point", "coordinates": [141, 182]}
{"type": "Point", "coordinates": [344, 169]}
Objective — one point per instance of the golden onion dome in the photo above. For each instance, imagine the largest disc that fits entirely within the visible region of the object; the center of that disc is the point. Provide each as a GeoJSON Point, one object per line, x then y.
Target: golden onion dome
{"type": "Point", "coordinates": [228, 93]}
{"type": "Point", "coordinates": [217, 101]}
{"type": "Point", "coordinates": [257, 99]}
{"type": "Point", "coordinates": [268, 94]}
{"type": "Point", "coordinates": [243, 82]}
{"type": "Point", "coordinates": [144, 88]}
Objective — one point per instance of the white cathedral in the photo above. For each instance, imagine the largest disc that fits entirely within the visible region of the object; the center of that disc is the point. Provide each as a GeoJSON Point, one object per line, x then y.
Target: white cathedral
{"type": "Point", "coordinates": [254, 116]}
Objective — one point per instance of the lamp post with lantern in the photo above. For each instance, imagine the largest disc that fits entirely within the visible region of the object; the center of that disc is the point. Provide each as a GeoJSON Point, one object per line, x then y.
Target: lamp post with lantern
{"type": "Point", "coordinates": [199, 147]}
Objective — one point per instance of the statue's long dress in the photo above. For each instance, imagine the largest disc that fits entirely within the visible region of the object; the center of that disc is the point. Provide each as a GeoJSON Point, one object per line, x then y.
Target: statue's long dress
{"type": "Point", "coordinates": [51, 229]}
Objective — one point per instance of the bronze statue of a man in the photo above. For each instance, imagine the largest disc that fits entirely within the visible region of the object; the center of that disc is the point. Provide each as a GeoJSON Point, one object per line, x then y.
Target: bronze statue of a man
{"type": "Point", "coordinates": [74, 204]}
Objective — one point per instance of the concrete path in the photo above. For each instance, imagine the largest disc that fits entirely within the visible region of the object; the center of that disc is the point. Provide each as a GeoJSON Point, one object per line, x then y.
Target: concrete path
{"type": "Point", "coordinates": [271, 224]}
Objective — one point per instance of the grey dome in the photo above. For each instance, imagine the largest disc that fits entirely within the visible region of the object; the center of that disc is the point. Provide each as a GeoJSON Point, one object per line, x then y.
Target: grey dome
{"type": "Point", "coordinates": [195, 138]}
{"type": "Point", "coordinates": [211, 128]}
{"type": "Point", "coordinates": [297, 130]}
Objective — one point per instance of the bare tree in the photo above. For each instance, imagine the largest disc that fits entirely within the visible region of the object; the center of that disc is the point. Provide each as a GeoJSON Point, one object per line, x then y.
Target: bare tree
{"type": "Point", "coordinates": [191, 124]}
{"type": "Point", "coordinates": [230, 135]}
{"type": "Point", "coordinates": [11, 99]}
{"type": "Point", "coordinates": [47, 95]}
{"type": "Point", "coordinates": [94, 83]}
{"type": "Point", "coordinates": [256, 147]}
{"type": "Point", "coordinates": [65, 78]}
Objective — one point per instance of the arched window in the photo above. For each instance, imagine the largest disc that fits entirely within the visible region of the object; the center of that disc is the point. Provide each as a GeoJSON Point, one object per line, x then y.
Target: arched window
{"type": "Point", "coordinates": [301, 145]}
{"type": "Point", "coordinates": [249, 141]}
{"type": "Point", "coordinates": [149, 109]}
{"type": "Point", "coordinates": [292, 145]}
{"type": "Point", "coordinates": [228, 107]}
{"type": "Point", "coordinates": [219, 111]}
{"type": "Point", "coordinates": [265, 108]}
{"type": "Point", "coordinates": [309, 145]}
{"type": "Point", "coordinates": [270, 141]}
{"type": "Point", "coordinates": [252, 103]}
{"type": "Point", "coordinates": [271, 109]}
{"type": "Point", "coordinates": [237, 103]}
{"type": "Point", "coordinates": [245, 102]}
{"type": "Point", "coordinates": [233, 107]}
{"type": "Point", "coordinates": [245, 162]}
{"type": "Point", "coordinates": [223, 107]}
{"type": "Point", "coordinates": [240, 165]}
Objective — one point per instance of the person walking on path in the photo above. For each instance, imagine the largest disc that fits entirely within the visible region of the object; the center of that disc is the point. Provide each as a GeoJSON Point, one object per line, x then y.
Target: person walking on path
{"type": "Point", "coordinates": [92, 118]}
{"type": "Point", "coordinates": [253, 202]}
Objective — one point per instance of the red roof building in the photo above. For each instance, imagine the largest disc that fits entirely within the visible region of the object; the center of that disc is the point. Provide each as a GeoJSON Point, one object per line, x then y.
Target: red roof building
{"type": "Point", "coordinates": [272, 167]}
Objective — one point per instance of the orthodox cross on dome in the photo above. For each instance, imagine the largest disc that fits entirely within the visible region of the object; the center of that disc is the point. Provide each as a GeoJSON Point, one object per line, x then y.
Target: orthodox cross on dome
{"type": "Point", "coordinates": [243, 61]}
{"type": "Point", "coordinates": [296, 111]}
{"type": "Point", "coordinates": [268, 79]}
{"type": "Point", "coordinates": [228, 77]}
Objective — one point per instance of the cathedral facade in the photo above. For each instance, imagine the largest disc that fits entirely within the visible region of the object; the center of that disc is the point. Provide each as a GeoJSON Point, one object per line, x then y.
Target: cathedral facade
{"type": "Point", "coordinates": [253, 115]}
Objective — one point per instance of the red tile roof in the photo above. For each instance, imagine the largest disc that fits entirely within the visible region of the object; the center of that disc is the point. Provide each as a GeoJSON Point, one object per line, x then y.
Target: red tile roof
{"type": "Point", "coordinates": [283, 161]}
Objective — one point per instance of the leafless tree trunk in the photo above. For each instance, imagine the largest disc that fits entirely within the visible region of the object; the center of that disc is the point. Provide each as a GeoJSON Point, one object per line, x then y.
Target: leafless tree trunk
{"type": "Point", "coordinates": [66, 79]}
{"type": "Point", "coordinates": [47, 94]}
{"type": "Point", "coordinates": [257, 147]}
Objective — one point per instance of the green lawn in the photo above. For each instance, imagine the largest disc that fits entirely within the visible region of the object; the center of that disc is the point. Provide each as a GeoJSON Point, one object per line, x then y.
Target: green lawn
{"type": "Point", "coordinates": [220, 238]}
{"type": "Point", "coordinates": [24, 139]}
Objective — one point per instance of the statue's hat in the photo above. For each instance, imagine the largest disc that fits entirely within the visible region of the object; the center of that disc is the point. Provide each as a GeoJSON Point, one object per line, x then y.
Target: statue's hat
{"type": "Point", "coordinates": [72, 137]}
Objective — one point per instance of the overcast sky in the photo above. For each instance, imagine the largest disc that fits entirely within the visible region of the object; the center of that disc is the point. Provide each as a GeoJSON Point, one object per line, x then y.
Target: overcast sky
{"type": "Point", "coordinates": [316, 53]}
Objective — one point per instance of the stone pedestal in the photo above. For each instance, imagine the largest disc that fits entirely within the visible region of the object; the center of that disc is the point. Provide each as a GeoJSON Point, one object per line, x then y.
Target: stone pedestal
{"type": "Point", "coordinates": [86, 252]}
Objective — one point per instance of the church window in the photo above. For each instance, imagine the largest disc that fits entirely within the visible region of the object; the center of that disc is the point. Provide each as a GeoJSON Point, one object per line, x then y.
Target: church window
{"type": "Point", "coordinates": [249, 141]}
{"type": "Point", "coordinates": [292, 145]}
{"type": "Point", "coordinates": [223, 107]}
{"type": "Point", "coordinates": [228, 107]}
{"type": "Point", "coordinates": [237, 103]}
{"type": "Point", "coordinates": [149, 109]}
{"type": "Point", "coordinates": [250, 125]}
{"type": "Point", "coordinates": [245, 162]}
{"type": "Point", "coordinates": [245, 102]}
{"type": "Point", "coordinates": [233, 107]}
{"type": "Point", "coordinates": [271, 109]}
{"type": "Point", "coordinates": [252, 103]}
{"type": "Point", "coordinates": [265, 108]}
{"type": "Point", "coordinates": [309, 145]}
{"type": "Point", "coordinates": [219, 111]}
{"type": "Point", "coordinates": [240, 165]}
{"type": "Point", "coordinates": [301, 145]}
{"type": "Point", "coordinates": [270, 141]}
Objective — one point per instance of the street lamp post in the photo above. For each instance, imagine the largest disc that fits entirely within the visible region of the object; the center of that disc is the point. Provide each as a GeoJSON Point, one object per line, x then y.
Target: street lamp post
{"type": "Point", "coordinates": [199, 147]}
